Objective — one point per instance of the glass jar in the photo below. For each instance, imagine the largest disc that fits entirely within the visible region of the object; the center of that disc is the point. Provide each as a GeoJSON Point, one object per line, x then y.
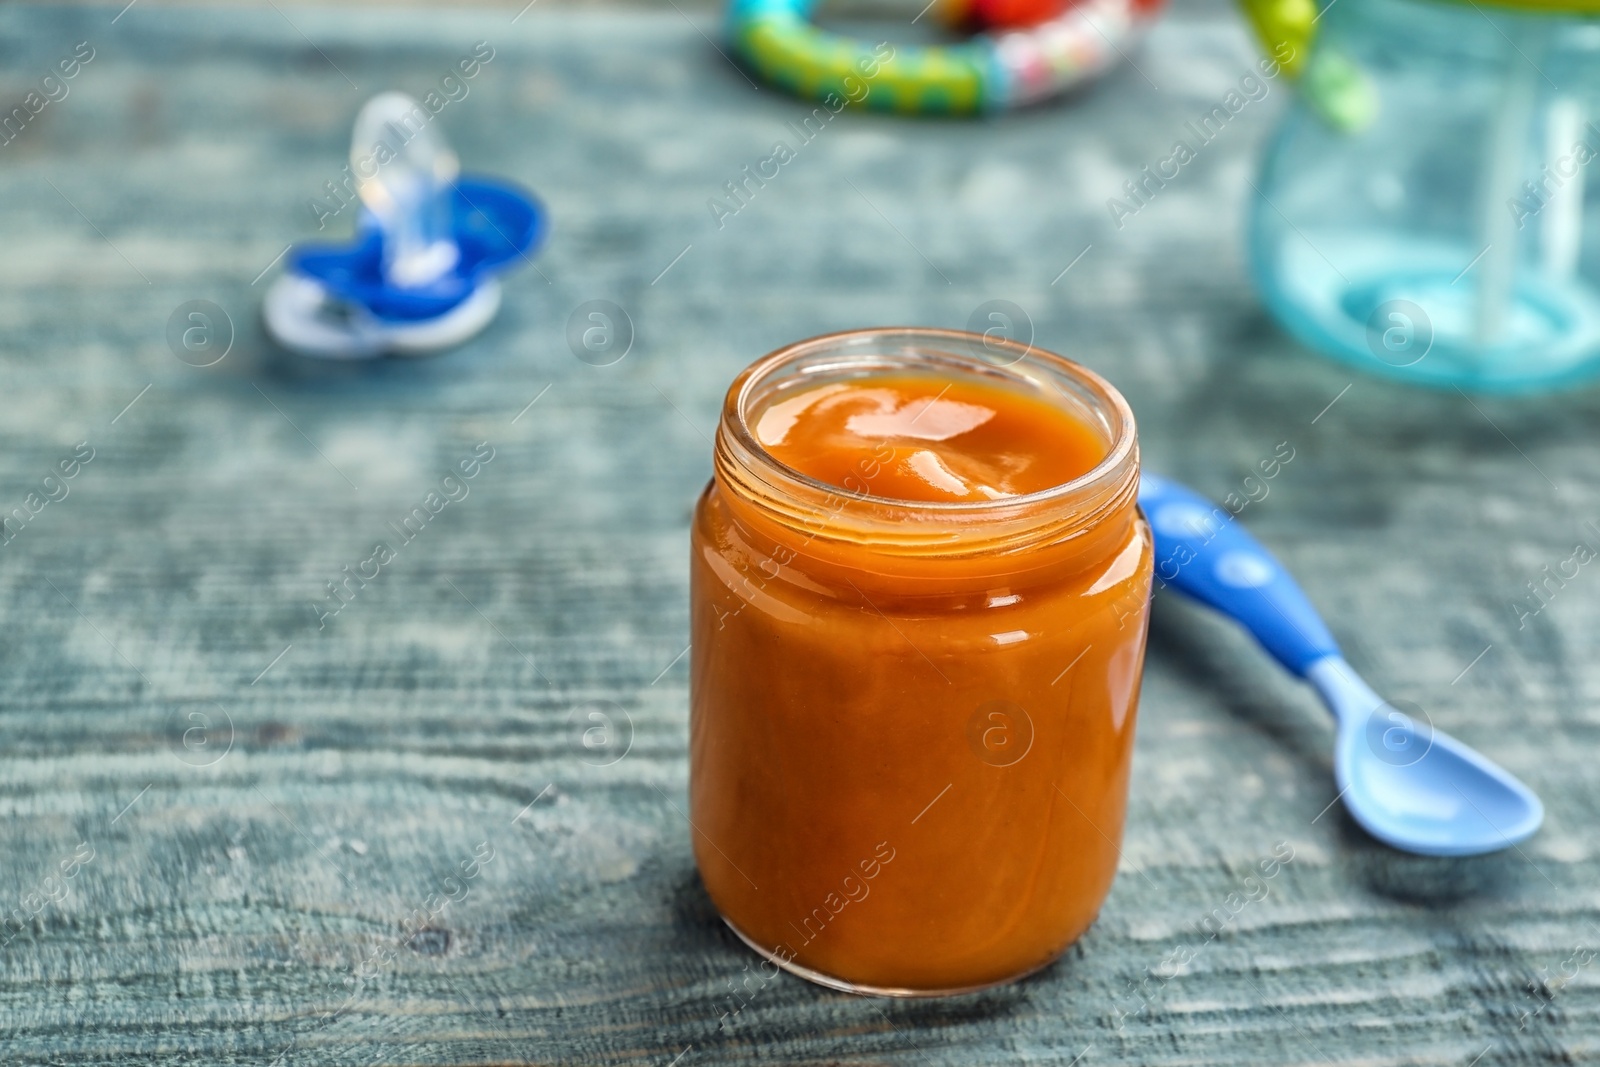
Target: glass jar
{"type": "Point", "coordinates": [1422, 210]}
{"type": "Point", "coordinates": [912, 723]}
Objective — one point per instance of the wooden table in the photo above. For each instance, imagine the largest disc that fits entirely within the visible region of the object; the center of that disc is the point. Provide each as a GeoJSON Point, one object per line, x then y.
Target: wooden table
{"type": "Point", "coordinates": [265, 810]}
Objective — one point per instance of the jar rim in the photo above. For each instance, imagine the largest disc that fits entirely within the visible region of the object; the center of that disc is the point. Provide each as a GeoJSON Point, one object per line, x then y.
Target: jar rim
{"type": "Point", "coordinates": [1009, 523]}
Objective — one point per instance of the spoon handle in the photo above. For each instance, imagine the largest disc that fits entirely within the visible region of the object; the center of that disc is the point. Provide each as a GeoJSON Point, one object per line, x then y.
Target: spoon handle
{"type": "Point", "coordinates": [1201, 551]}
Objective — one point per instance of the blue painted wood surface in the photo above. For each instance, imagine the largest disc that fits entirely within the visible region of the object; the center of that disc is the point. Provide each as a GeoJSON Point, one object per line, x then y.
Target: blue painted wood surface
{"type": "Point", "coordinates": [238, 829]}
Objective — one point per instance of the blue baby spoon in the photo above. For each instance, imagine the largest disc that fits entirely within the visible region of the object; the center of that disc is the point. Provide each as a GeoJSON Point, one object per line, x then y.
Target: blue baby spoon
{"type": "Point", "coordinates": [1410, 786]}
{"type": "Point", "coordinates": [420, 274]}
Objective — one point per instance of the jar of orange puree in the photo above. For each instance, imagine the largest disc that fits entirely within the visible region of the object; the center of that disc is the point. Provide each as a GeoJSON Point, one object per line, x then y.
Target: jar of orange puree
{"type": "Point", "coordinates": [920, 584]}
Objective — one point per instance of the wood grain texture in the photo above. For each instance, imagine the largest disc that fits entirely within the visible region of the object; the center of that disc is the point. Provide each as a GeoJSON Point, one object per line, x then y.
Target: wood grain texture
{"type": "Point", "coordinates": [239, 881]}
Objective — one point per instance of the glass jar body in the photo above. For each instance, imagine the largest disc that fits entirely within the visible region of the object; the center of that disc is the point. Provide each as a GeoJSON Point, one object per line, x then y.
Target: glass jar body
{"type": "Point", "coordinates": [1439, 232]}
{"type": "Point", "coordinates": [910, 777]}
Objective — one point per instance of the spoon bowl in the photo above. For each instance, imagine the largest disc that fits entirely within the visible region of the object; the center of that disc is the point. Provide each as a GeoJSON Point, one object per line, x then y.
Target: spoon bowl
{"type": "Point", "coordinates": [1415, 787]}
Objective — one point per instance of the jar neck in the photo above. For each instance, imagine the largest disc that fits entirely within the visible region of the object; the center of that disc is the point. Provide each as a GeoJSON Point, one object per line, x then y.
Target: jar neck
{"type": "Point", "coordinates": [946, 545]}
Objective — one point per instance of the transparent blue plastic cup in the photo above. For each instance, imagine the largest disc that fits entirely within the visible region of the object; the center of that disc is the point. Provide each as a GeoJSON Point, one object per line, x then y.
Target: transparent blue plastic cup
{"type": "Point", "coordinates": [1428, 209]}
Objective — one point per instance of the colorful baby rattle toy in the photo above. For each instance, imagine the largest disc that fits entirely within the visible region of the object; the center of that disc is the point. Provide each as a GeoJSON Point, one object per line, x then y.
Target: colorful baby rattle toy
{"type": "Point", "coordinates": [420, 274]}
{"type": "Point", "coordinates": [1028, 50]}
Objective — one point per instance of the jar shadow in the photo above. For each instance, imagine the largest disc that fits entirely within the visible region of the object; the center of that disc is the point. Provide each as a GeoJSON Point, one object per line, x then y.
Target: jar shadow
{"type": "Point", "coordinates": [1182, 641]}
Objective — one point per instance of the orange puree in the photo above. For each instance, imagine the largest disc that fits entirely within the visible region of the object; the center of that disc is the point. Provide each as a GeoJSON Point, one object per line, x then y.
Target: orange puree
{"type": "Point", "coordinates": [912, 723]}
{"type": "Point", "coordinates": [928, 438]}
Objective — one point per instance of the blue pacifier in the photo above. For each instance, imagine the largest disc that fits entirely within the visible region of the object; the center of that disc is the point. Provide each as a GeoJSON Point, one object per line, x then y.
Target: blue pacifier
{"type": "Point", "coordinates": [420, 275]}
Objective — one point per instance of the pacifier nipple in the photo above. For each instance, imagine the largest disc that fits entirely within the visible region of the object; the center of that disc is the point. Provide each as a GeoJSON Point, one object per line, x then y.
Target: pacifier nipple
{"type": "Point", "coordinates": [404, 174]}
